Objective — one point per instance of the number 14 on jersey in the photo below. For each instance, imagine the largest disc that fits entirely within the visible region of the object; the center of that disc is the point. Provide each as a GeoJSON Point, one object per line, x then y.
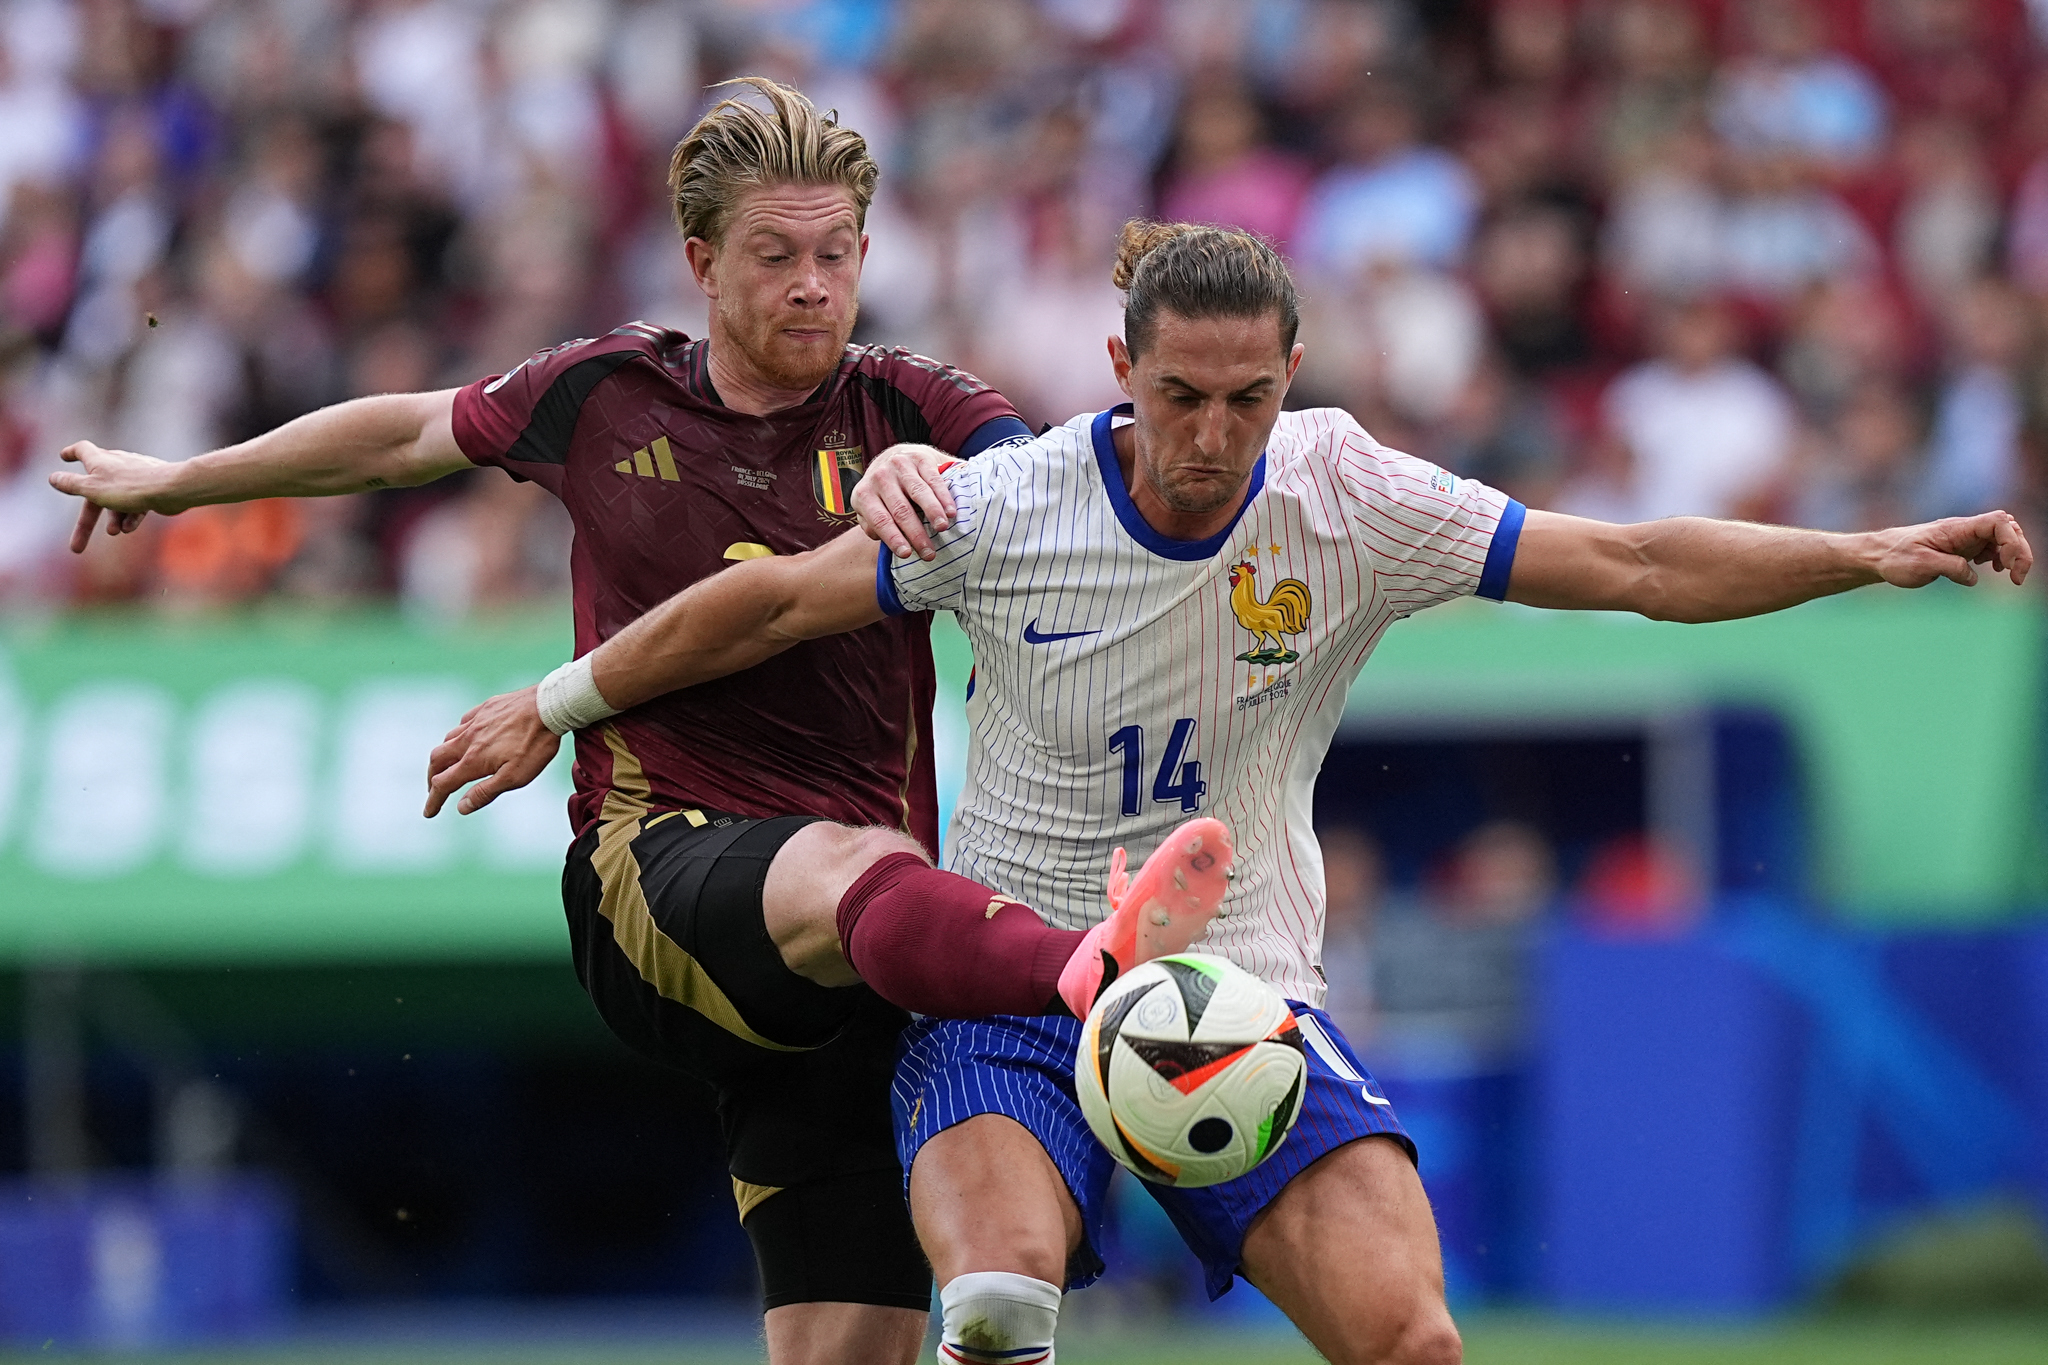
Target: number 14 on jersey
{"type": "Point", "coordinates": [1179, 777]}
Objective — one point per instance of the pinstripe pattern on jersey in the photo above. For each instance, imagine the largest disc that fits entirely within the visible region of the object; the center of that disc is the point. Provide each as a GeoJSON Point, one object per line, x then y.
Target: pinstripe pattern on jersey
{"type": "Point", "coordinates": [1126, 634]}
{"type": "Point", "coordinates": [957, 1069]}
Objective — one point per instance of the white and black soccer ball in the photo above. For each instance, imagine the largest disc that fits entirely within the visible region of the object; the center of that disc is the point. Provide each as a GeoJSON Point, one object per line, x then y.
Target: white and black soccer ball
{"type": "Point", "coordinates": [1191, 1070]}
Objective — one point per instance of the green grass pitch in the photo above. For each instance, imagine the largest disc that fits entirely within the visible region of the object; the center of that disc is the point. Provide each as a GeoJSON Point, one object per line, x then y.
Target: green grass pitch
{"type": "Point", "coordinates": [1490, 1340]}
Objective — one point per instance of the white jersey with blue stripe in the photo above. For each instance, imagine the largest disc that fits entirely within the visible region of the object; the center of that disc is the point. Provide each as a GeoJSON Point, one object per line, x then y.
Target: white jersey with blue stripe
{"type": "Point", "coordinates": [1125, 682]}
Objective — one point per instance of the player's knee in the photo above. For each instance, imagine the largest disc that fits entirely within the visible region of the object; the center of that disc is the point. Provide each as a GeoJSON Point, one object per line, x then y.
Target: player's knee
{"type": "Point", "coordinates": [801, 897]}
{"type": "Point", "coordinates": [843, 852]}
{"type": "Point", "coordinates": [1428, 1338]}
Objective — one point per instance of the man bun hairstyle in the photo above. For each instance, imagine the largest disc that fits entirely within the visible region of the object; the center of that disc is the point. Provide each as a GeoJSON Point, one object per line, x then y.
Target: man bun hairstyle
{"type": "Point", "coordinates": [1196, 271]}
{"type": "Point", "coordinates": [740, 145]}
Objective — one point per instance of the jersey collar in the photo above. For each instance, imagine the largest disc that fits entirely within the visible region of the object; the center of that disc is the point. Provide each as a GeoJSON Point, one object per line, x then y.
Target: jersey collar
{"type": "Point", "coordinates": [699, 369]}
{"type": "Point", "coordinates": [1140, 530]}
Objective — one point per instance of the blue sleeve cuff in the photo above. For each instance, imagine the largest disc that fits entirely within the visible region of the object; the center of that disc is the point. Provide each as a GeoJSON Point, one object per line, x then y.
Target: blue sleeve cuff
{"type": "Point", "coordinates": [992, 432]}
{"type": "Point", "coordinates": [1500, 556]}
{"type": "Point", "coordinates": [885, 584]}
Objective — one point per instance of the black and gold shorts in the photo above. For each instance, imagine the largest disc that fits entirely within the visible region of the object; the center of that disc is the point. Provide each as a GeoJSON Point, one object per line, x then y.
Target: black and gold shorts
{"type": "Point", "coordinates": [666, 924]}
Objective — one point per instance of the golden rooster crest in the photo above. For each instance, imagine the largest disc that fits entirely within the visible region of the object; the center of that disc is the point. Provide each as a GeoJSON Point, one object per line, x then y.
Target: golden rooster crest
{"type": "Point", "coordinates": [1284, 612]}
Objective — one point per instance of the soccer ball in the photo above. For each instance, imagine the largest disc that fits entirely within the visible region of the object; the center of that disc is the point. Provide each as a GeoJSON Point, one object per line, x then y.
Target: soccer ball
{"type": "Point", "coordinates": [1190, 1070]}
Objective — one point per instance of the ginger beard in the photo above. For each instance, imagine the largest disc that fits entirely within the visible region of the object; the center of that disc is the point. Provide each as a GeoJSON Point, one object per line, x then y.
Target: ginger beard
{"type": "Point", "coordinates": [785, 361]}
{"type": "Point", "coordinates": [785, 283]}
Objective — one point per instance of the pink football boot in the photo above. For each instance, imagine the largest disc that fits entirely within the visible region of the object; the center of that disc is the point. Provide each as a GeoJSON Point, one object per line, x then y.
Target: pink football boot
{"type": "Point", "coordinates": [1162, 910]}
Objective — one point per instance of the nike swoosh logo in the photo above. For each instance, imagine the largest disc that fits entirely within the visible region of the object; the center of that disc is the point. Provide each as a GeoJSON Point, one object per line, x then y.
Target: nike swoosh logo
{"type": "Point", "coordinates": [1032, 636]}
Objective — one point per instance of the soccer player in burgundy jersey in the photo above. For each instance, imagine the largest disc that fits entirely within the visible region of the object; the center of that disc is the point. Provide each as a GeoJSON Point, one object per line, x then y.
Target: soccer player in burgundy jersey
{"type": "Point", "coordinates": [722, 832]}
{"type": "Point", "coordinates": [1127, 537]}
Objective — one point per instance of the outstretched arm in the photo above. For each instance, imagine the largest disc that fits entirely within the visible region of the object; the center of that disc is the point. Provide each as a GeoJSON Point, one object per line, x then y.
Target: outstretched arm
{"type": "Point", "coordinates": [738, 617]}
{"type": "Point", "coordinates": [725, 623]}
{"type": "Point", "coordinates": [390, 441]}
{"type": "Point", "coordinates": [1695, 569]}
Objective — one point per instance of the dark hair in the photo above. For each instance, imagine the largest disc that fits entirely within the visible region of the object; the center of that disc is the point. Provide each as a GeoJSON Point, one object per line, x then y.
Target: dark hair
{"type": "Point", "coordinates": [1200, 272]}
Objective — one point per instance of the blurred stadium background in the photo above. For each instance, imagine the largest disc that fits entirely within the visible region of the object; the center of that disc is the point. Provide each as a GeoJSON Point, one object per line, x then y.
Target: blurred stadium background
{"type": "Point", "coordinates": [1706, 963]}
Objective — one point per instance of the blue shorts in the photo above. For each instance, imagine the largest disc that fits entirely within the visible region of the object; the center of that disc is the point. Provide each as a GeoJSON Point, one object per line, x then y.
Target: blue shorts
{"type": "Point", "coordinates": [955, 1069]}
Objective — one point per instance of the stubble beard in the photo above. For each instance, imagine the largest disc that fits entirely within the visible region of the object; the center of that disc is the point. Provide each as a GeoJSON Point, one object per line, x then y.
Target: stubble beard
{"type": "Point", "coordinates": [778, 364]}
{"type": "Point", "coordinates": [1199, 499]}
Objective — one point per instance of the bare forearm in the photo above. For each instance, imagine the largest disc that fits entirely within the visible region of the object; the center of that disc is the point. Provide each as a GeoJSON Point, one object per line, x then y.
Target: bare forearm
{"type": "Point", "coordinates": [738, 617]}
{"type": "Point", "coordinates": [730, 621]}
{"type": "Point", "coordinates": [1697, 569]}
{"type": "Point", "coordinates": [1684, 568]}
{"type": "Point", "coordinates": [388, 441]}
{"type": "Point", "coordinates": [1693, 569]}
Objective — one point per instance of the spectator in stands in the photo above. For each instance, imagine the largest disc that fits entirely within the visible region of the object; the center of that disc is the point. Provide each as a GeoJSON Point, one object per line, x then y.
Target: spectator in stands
{"type": "Point", "coordinates": [1507, 432]}
{"type": "Point", "coordinates": [44, 119]}
{"type": "Point", "coordinates": [1354, 883]}
{"type": "Point", "coordinates": [1954, 57]}
{"type": "Point", "coordinates": [1664, 230]}
{"type": "Point", "coordinates": [2027, 231]}
{"type": "Point", "coordinates": [1708, 431]}
{"type": "Point", "coordinates": [1451, 970]}
{"type": "Point", "coordinates": [1973, 453]}
{"type": "Point", "coordinates": [1390, 198]}
{"type": "Point", "coordinates": [1654, 88]}
{"type": "Point", "coordinates": [1790, 94]}
{"type": "Point", "coordinates": [1530, 42]}
{"type": "Point", "coordinates": [1503, 873]}
{"type": "Point", "coordinates": [1946, 229]}
{"type": "Point", "coordinates": [1530, 266]}
{"type": "Point", "coordinates": [1861, 471]}
{"type": "Point", "coordinates": [1784, 231]}
{"type": "Point", "coordinates": [1224, 172]}
{"type": "Point", "coordinates": [38, 263]}
{"type": "Point", "coordinates": [1841, 336]}
{"type": "Point", "coordinates": [32, 518]}
{"type": "Point", "coordinates": [295, 190]}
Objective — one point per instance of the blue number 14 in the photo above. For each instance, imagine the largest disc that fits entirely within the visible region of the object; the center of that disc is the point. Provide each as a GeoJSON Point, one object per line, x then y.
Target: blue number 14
{"type": "Point", "coordinates": [1179, 778]}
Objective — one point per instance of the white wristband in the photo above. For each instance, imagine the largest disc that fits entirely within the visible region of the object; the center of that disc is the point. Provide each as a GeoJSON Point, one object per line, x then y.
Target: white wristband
{"type": "Point", "coordinates": [569, 699]}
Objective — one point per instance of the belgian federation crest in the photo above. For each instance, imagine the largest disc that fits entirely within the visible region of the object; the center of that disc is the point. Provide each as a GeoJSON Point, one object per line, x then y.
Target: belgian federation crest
{"type": "Point", "coordinates": [835, 469]}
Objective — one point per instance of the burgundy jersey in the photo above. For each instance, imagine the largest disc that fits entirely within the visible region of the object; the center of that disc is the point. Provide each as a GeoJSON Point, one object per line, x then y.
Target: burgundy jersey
{"type": "Point", "coordinates": [666, 485]}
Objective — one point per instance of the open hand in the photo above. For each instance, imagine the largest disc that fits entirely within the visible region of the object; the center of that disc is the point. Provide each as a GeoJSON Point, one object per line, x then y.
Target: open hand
{"type": "Point", "coordinates": [903, 490]}
{"type": "Point", "coordinates": [501, 741]}
{"type": "Point", "coordinates": [1914, 556]}
{"type": "Point", "coordinates": [119, 482]}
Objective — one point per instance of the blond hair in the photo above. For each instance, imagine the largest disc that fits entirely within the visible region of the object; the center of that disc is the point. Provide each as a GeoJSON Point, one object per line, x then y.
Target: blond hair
{"type": "Point", "coordinates": [1197, 271]}
{"type": "Point", "coordinates": [740, 145]}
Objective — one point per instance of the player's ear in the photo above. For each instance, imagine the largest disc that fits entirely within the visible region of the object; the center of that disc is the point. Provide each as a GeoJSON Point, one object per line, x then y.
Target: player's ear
{"type": "Point", "coordinates": [1120, 362]}
{"type": "Point", "coordinates": [863, 248]}
{"type": "Point", "coordinates": [1294, 361]}
{"type": "Point", "coordinates": [703, 258]}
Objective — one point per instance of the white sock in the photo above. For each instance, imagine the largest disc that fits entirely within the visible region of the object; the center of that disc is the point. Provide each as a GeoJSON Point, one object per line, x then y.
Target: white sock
{"type": "Point", "coordinates": [994, 1317]}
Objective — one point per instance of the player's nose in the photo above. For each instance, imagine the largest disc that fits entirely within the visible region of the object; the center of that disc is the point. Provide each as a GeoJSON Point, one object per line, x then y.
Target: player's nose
{"type": "Point", "coordinates": [810, 290]}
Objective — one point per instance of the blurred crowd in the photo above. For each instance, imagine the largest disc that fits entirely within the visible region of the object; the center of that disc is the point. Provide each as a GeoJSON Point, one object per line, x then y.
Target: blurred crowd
{"type": "Point", "coordinates": [1784, 259]}
{"type": "Point", "coordinates": [1432, 971]}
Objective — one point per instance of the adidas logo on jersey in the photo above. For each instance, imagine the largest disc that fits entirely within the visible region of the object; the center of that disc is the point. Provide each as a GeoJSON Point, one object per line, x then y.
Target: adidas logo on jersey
{"type": "Point", "coordinates": [649, 460]}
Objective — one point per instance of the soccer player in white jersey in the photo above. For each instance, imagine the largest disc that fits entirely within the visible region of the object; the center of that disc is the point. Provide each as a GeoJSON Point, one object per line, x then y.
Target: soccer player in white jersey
{"type": "Point", "coordinates": [1168, 604]}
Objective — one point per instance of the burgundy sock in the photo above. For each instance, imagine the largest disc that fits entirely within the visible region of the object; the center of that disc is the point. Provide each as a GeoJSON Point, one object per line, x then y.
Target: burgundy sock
{"type": "Point", "coordinates": [941, 945]}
